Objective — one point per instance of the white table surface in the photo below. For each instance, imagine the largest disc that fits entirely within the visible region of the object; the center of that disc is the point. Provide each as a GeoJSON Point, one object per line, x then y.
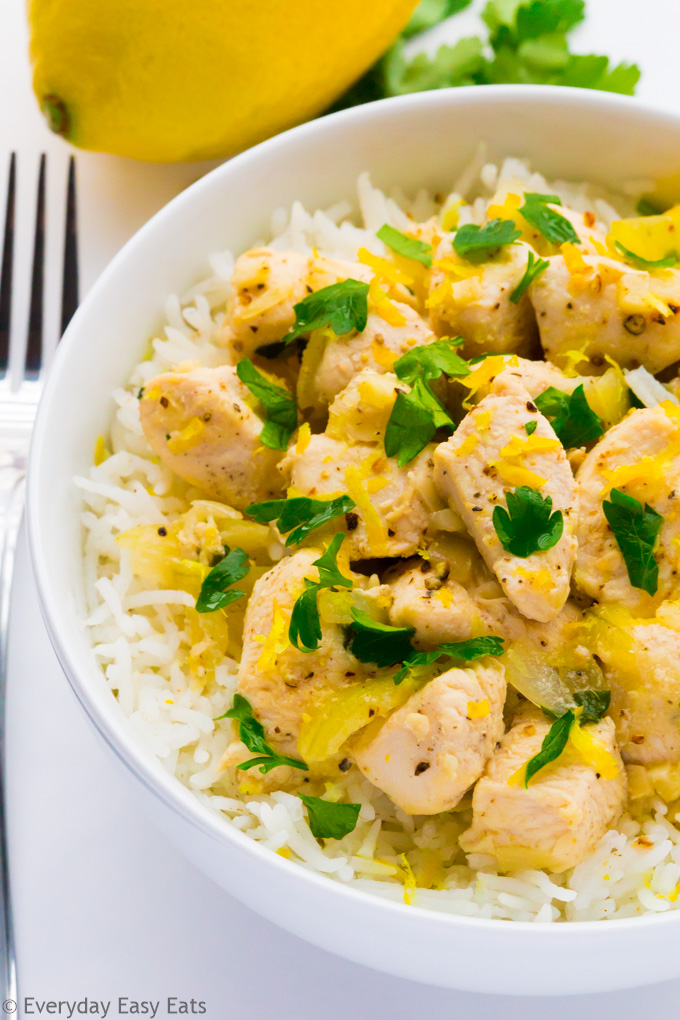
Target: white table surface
{"type": "Point", "coordinates": [104, 906]}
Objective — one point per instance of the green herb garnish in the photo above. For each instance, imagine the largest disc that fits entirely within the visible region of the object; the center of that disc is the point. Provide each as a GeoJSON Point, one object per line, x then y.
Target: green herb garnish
{"type": "Point", "coordinates": [381, 643]}
{"type": "Point", "coordinates": [636, 529]}
{"type": "Point", "coordinates": [479, 243]}
{"type": "Point", "coordinates": [530, 427]}
{"type": "Point", "coordinates": [343, 306]}
{"type": "Point", "coordinates": [530, 526]}
{"type": "Point", "coordinates": [555, 228]}
{"type": "Point", "coordinates": [216, 592]}
{"type": "Point", "coordinates": [300, 515]}
{"type": "Point", "coordinates": [594, 705]}
{"type": "Point", "coordinates": [415, 418]}
{"type": "Point", "coordinates": [408, 247]}
{"type": "Point", "coordinates": [430, 361]}
{"type": "Point", "coordinates": [571, 416]}
{"type": "Point", "coordinates": [639, 263]}
{"type": "Point", "coordinates": [645, 207]}
{"type": "Point", "coordinates": [280, 406]}
{"type": "Point", "coordinates": [251, 733]}
{"type": "Point", "coordinates": [328, 820]}
{"type": "Point", "coordinates": [466, 651]}
{"type": "Point", "coordinates": [429, 13]}
{"type": "Point", "coordinates": [534, 268]}
{"type": "Point", "coordinates": [304, 630]}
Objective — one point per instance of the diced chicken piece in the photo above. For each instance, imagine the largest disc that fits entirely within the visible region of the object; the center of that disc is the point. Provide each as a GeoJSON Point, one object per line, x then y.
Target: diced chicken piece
{"type": "Point", "coordinates": [266, 286]}
{"type": "Point", "coordinates": [640, 456]}
{"type": "Point", "coordinates": [430, 751]}
{"type": "Point", "coordinates": [538, 376]}
{"type": "Point", "coordinates": [478, 307]}
{"type": "Point", "coordinates": [437, 606]}
{"type": "Point", "coordinates": [376, 348]}
{"type": "Point", "coordinates": [555, 822]}
{"type": "Point", "coordinates": [201, 424]}
{"type": "Point", "coordinates": [643, 668]}
{"type": "Point", "coordinates": [393, 503]}
{"type": "Point", "coordinates": [472, 472]}
{"type": "Point", "coordinates": [360, 413]}
{"type": "Point", "coordinates": [609, 310]}
{"type": "Point", "coordinates": [279, 681]}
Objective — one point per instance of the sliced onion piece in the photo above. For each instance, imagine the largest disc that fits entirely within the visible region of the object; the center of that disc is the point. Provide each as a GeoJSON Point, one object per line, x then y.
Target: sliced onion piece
{"type": "Point", "coordinates": [648, 389]}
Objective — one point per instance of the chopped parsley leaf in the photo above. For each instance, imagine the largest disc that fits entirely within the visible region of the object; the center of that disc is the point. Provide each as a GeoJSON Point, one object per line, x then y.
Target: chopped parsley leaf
{"type": "Point", "coordinates": [645, 207]}
{"type": "Point", "coordinates": [408, 247]}
{"type": "Point", "coordinates": [430, 361]}
{"type": "Point", "coordinates": [343, 306]}
{"type": "Point", "coordinates": [329, 820]}
{"type": "Point", "coordinates": [530, 526]}
{"type": "Point", "coordinates": [553, 744]}
{"type": "Point", "coordinates": [381, 643]}
{"type": "Point", "coordinates": [251, 732]}
{"type": "Point", "coordinates": [216, 592]}
{"type": "Point", "coordinates": [639, 263]}
{"type": "Point", "coordinates": [571, 416]}
{"type": "Point", "coordinates": [304, 630]}
{"type": "Point", "coordinates": [551, 224]}
{"type": "Point", "coordinates": [636, 529]}
{"type": "Point", "coordinates": [300, 515]}
{"type": "Point", "coordinates": [280, 406]}
{"type": "Point", "coordinates": [429, 13]}
{"type": "Point", "coordinates": [415, 418]}
{"type": "Point", "coordinates": [534, 268]}
{"type": "Point", "coordinates": [593, 703]}
{"type": "Point", "coordinates": [530, 427]}
{"type": "Point", "coordinates": [466, 651]}
{"type": "Point", "coordinates": [479, 243]}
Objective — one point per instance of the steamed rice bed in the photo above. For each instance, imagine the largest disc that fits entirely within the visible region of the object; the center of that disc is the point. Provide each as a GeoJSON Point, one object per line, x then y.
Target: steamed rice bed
{"type": "Point", "coordinates": [173, 682]}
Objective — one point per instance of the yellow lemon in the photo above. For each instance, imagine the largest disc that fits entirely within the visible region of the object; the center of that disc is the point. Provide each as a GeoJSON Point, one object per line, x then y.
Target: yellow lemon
{"type": "Point", "coordinates": [196, 79]}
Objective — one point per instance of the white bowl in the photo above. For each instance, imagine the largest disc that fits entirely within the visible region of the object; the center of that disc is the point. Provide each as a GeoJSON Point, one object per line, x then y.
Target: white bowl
{"type": "Point", "coordinates": [422, 139]}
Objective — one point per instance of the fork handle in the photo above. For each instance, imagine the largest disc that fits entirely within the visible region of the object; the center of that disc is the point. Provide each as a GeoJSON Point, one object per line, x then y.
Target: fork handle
{"type": "Point", "coordinates": [12, 490]}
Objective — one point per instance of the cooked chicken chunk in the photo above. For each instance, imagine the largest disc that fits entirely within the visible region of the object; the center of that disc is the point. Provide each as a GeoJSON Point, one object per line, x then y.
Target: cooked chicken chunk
{"type": "Point", "coordinates": [279, 681]}
{"type": "Point", "coordinates": [375, 348]}
{"type": "Point", "coordinates": [475, 469]}
{"type": "Point", "coordinates": [642, 665]}
{"type": "Point", "coordinates": [640, 456]}
{"type": "Point", "coordinates": [478, 307]}
{"type": "Point", "coordinates": [266, 285]}
{"type": "Point", "coordinates": [538, 376]}
{"type": "Point", "coordinates": [201, 424]}
{"type": "Point", "coordinates": [609, 310]}
{"type": "Point", "coordinates": [393, 503]}
{"type": "Point", "coordinates": [360, 413]}
{"type": "Point", "coordinates": [433, 748]}
{"type": "Point", "coordinates": [558, 819]}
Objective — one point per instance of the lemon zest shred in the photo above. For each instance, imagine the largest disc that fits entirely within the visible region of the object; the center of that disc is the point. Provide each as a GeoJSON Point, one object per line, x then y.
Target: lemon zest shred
{"type": "Point", "coordinates": [276, 640]}
{"type": "Point", "coordinates": [304, 438]}
{"type": "Point", "coordinates": [376, 530]}
{"type": "Point", "coordinates": [515, 474]}
{"type": "Point", "coordinates": [409, 880]}
{"type": "Point", "coordinates": [284, 852]}
{"type": "Point", "coordinates": [101, 453]}
{"type": "Point", "coordinates": [467, 446]}
{"type": "Point", "coordinates": [189, 436]}
{"type": "Point", "coordinates": [593, 751]}
{"type": "Point", "coordinates": [384, 307]}
{"type": "Point", "coordinates": [478, 709]}
{"type": "Point", "coordinates": [445, 597]}
{"type": "Point", "coordinates": [383, 356]}
{"type": "Point", "coordinates": [384, 269]}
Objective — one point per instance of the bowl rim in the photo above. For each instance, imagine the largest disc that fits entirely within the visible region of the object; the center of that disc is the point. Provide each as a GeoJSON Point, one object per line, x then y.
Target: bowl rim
{"type": "Point", "coordinates": [128, 748]}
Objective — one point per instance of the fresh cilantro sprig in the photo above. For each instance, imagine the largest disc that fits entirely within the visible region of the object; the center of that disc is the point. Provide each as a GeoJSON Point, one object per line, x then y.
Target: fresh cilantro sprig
{"type": "Point", "coordinates": [216, 591]}
{"type": "Point", "coordinates": [476, 244]}
{"type": "Point", "coordinates": [300, 515]}
{"type": "Point", "coordinates": [280, 406]}
{"type": "Point", "coordinates": [594, 704]}
{"type": "Point", "coordinates": [534, 268]}
{"type": "Point", "coordinates": [385, 645]}
{"type": "Point", "coordinates": [430, 361]}
{"type": "Point", "coordinates": [304, 630]}
{"type": "Point", "coordinates": [571, 416]}
{"type": "Point", "coordinates": [527, 44]}
{"type": "Point", "coordinates": [343, 306]}
{"type": "Point", "coordinates": [636, 529]}
{"type": "Point", "coordinates": [415, 418]}
{"type": "Point", "coordinates": [328, 820]}
{"type": "Point", "coordinates": [417, 415]}
{"type": "Point", "coordinates": [465, 651]}
{"type": "Point", "coordinates": [640, 263]}
{"type": "Point", "coordinates": [251, 733]}
{"type": "Point", "coordinates": [552, 225]}
{"type": "Point", "coordinates": [530, 525]}
{"type": "Point", "coordinates": [408, 247]}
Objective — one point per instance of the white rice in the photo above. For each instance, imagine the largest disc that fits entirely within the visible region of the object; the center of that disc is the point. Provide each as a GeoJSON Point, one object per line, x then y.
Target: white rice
{"type": "Point", "coordinates": [141, 639]}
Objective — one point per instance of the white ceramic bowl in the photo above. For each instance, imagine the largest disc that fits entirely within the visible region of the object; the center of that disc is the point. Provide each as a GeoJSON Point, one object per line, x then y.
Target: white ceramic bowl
{"type": "Point", "coordinates": [421, 139]}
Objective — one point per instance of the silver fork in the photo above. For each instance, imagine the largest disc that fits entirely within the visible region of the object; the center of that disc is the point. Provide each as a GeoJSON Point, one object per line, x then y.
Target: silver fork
{"type": "Point", "coordinates": [38, 295]}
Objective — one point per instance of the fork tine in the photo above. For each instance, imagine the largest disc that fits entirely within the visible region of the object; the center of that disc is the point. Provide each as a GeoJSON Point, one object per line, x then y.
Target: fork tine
{"type": "Point", "coordinates": [26, 196]}
{"type": "Point", "coordinates": [6, 270]}
{"type": "Point", "coordinates": [70, 290]}
{"type": "Point", "coordinates": [33, 356]}
{"type": "Point", "coordinates": [56, 186]}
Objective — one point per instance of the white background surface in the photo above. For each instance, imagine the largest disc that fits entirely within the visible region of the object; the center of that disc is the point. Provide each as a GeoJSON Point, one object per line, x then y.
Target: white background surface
{"type": "Point", "coordinates": [104, 906]}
